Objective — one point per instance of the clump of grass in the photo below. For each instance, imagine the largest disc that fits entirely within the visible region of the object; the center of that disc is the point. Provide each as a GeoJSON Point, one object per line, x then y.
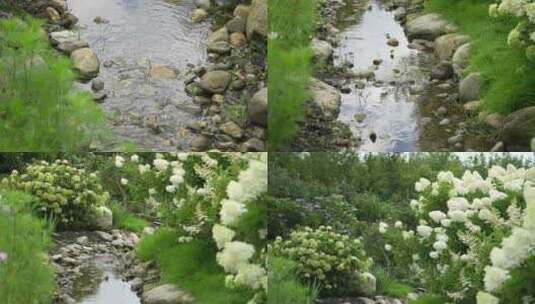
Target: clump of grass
{"type": "Point", "coordinates": [191, 267]}
{"type": "Point", "coordinates": [39, 111]}
{"type": "Point", "coordinates": [284, 286]}
{"type": "Point", "coordinates": [510, 76]}
{"type": "Point", "coordinates": [25, 275]}
{"type": "Point", "coordinates": [429, 299]}
{"type": "Point", "coordinates": [290, 57]}
{"type": "Point", "coordinates": [122, 219]}
{"type": "Point", "coordinates": [388, 285]}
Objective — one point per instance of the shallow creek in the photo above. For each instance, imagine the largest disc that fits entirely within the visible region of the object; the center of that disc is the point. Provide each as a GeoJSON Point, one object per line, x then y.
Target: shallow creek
{"type": "Point", "coordinates": [111, 288]}
{"type": "Point", "coordinates": [135, 37]}
{"type": "Point", "coordinates": [382, 108]}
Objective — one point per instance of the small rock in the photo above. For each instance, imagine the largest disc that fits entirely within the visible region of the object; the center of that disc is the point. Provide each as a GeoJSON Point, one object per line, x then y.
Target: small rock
{"type": "Point", "coordinates": [442, 71]}
{"type": "Point", "coordinates": [253, 145]}
{"type": "Point", "coordinates": [97, 85]}
{"type": "Point", "coordinates": [238, 40]}
{"type": "Point", "coordinates": [470, 87]}
{"type": "Point", "coordinates": [393, 42]}
{"type": "Point", "coordinates": [166, 294]}
{"type": "Point", "coordinates": [455, 139]}
{"type": "Point", "coordinates": [100, 20]}
{"type": "Point", "coordinates": [377, 61]}
{"type": "Point", "coordinates": [498, 147]}
{"type": "Point", "coordinates": [70, 46]}
{"type": "Point", "coordinates": [257, 108]}
{"type": "Point", "coordinates": [445, 122]}
{"type": "Point", "coordinates": [360, 117]}
{"type": "Point", "coordinates": [472, 106]}
{"type": "Point", "coordinates": [199, 15]}
{"type": "Point", "coordinates": [85, 61]}
{"type": "Point", "coordinates": [232, 129]}
{"type": "Point", "coordinates": [442, 111]}
{"type": "Point", "coordinates": [53, 15]}
{"type": "Point", "coordinates": [219, 35]}
{"type": "Point", "coordinates": [495, 120]}
{"type": "Point", "coordinates": [219, 47]}
{"type": "Point", "coordinates": [200, 143]}
{"type": "Point", "coordinates": [322, 49]}
{"type": "Point", "coordinates": [104, 236]}
{"type": "Point", "coordinates": [100, 96]}
{"type": "Point", "coordinates": [83, 240]}
{"type": "Point", "coordinates": [204, 4]}
{"type": "Point", "coordinates": [162, 72]}
{"type": "Point", "coordinates": [215, 81]}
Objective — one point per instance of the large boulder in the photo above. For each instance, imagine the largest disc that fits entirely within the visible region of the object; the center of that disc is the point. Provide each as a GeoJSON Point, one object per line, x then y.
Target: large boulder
{"type": "Point", "coordinates": [461, 59]}
{"type": "Point", "coordinates": [446, 45]}
{"type": "Point", "coordinates": [101, 219]}
{"type": "Point", "coordinates": [257, 20]}
{"type": "Point", "coordinates": [86, 62]}
{"type": "Point", "coordinates": [326, 98]}
{"type": "Point", "coordinates": [215, 81]}
{"type": "Point", "coordinates": [166, 294]}
{"type": "Point", "coordinates": [429, 27]}
{"type": "Point", "coordinates": [470, 87]}
{"type": "Point", "coordinates": [258, 107]}
{"type": "Point", "coordinates": [519, 129]}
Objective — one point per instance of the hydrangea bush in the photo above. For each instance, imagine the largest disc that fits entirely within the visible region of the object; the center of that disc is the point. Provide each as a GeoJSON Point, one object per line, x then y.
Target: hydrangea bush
{"type": "Point", "coordinates": [324, 256]}
{"type": "Point", "coordinates": [472, 232]}
{"type": "Point", "coordinates": [524, 33]}
{"type": "Point", "coordinates": [62, 192]}
{"type": "Point", "coordinates": [205, 196]}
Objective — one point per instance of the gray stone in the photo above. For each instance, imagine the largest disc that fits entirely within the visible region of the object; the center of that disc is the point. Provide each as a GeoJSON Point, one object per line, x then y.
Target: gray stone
{"type": "Point", "coordinates": [257, 21]}
{"type": "Point", "coordinates": [52, 15]}
{"type": "Point", "coordinates": [518, 129]}
{"type": "Point", "coordinates": [215, 81]}
{"type": "Point", "coordinates": [498, 147]}
{"type": "Point", "coordinates": [162, 72]}
{"type": "Point", "coordinates": [446, 45]}
{"type": "Point", "coordinates": [472, 106]}
{"type": "Point", "coordinates": [219, 47]}
{"type": "Point", "coordinates": [461, 59]}
{"type": "Point", "coordinates": [470, 87]}
{"type": "Point", "coordinates": [85, 61]}
{"type": "Point", "coordinates": [70, 46]}
{"type": "Point", "coordinates": [201, 143]}
{"type": "Point", "coordinates": [258, 107]}
{"type": "Point", "coordinates": [326, 98]}
{"type": "Point", "coordinates": [166, 294]}
{"type": "Point", "coordinates": [62, 37]}
{"type": "Point", "coordinates": [97, 85]}
{"type": "Point", "coordinates": [104, 236]}
{"type": "Point", "coordinates": [232, 129]}
{"type": "Point", "coordinates": [199, 15]}
{"type": "Point", "coordinates": [236, 24]}
{"type": "Point", "coordinates": [221, 34]}
{"type": "Point", "coordinates": [322, 49]}
{"type": "Point", "coordinates": [253, 145]}
{"type": "Point", "coordinates": [204, 4]}
{"type": "Point", "coordinates": [429, 27]}
{"type": "Point", "coordinates": [442, 71]}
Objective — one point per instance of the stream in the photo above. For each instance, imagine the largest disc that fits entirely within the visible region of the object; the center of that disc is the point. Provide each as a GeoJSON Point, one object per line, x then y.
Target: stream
{"type": "Point", "coordinates": [131, 38]}
{"type": "Point", "coordinates": [381, 111]}
{"type": "Point", "coordinates": [111, 288]}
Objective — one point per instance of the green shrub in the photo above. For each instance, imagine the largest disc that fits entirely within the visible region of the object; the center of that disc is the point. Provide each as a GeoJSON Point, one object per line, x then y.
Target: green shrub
{"type": "Point", "coordinates": [331, 259]}
{"type": "Point", "coordinates": [39, 110]}
{"type": "Point", "coordinates": [25, 275]}
{"type": "Point", "coordinates": [284, 285]}
{"type": "Point", "coordinates": [430, 299]}
{"type": "Point", "coordinates": [67, 194]}
{"type": "Point", "coordinates": [197, 272]}
{"type": "Point", "coordinates": [388, 285]}
{"type": "Point", "coordinates": [122, 219]}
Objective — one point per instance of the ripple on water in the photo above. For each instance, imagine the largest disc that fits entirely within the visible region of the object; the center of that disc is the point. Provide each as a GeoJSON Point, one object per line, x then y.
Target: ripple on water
{"type": "Point", "coordinates": [391, 113]}
{"type": "Point", "coordinates": [141, 34]}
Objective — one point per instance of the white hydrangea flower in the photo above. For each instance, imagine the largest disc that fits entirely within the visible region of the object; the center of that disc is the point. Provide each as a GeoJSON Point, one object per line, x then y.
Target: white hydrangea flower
{"type": "Point", "coordinates": [398, 224]}
{"type": "Point", "coordinates": [486, 298]}
{"type": "Point", "coordinates": [494, 278]}
{"type": "Point", "coordinates": [222, 235]}
{"type": "Point", "coordinates": [231, 211]}
{"type": "Point", "coordinates": [134, 158]}
{"type": "Point", "coordinates": [383, 227]}
{"type": "Point", "coordinates": [170, 188]}
{"type": "Point", "coordinates": [424, 231]}
{"type": "Point", "coordinates": [234, 255]}
{"type": "Point", "coordinates": [250, 275]}
{"type": "Point", "coordinates": [437, 216]}
{"type": "Point", "coordinates": [422, 184]}
{"type": "Point", "coordinates": [119, 161]}
{"type": "Point", "coordinates": [160, 164]}
{"type": "Point", "coordinates": [388, 247]}
{"type": "Point", "coordinates": [440, 246]}
{"type": "Point", "coordinates": [124, 181]}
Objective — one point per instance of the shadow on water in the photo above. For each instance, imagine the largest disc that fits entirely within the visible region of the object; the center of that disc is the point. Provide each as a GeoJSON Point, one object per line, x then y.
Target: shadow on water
{"type": "Point", "coordinates": [137, 35]}
{"type": "Point", "coordinates": [381, 111]}
{"type": "Point", "coordinates": [100, 284]}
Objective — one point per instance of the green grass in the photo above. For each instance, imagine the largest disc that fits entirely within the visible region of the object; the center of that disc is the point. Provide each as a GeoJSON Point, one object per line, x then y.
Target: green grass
{"type": "Point", "coordinates": [191, 267]}
{"type": "Point", "coordinates": [290, 60]}
{"type": "Point", "coordinates": [26, 276]}
{"type": "Point", "coordinates": [429, 299]}
{"type": "Point", "coordinates": [123, 219]}
{"type": "Point", "coordinates": [284, 287]}
{"type": "Point", "coordinates": [388, 285]}
{"type": "Point", "coordinates": [510, 76]}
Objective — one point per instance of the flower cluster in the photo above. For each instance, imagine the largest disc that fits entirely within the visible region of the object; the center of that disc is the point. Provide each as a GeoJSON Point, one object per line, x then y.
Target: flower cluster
{"type": "Point", "coordinates": [237, 257]}
{"type": "Point", "coordinates": [524, 32]}
{"type": "Point", "coordinates": [62, 191]}
{"type": "Point", "coordinates": [460, 221]}
{"type": "Point", "coordinates": [324, 256]}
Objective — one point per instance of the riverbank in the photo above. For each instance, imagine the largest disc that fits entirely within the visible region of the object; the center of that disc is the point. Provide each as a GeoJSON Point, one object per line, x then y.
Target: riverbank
{"type": "Point", "coordinates": [179, 90]}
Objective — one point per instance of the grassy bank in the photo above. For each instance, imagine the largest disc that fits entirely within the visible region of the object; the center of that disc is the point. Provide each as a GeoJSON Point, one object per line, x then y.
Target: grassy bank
{"type": "Point", "coordinates": [191, 267]}
{"type": "Point", "coordinates": [39, 111]}
{"type": "Point", "coordinates": [510, 76]}
{"type": "Point", "coordinates": [25, 276]}
{"type": "Point", "coordinates": [289, 56]}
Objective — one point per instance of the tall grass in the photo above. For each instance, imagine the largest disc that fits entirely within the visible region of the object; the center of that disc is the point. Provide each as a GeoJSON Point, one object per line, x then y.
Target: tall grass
{"type": "Point", "coordinates": [38, 109]}
{"type": "Point", "coordinates": [191, 267]}
{"type": "Point", "coordinates": [284, 286]}
{"type": "Point", "coordinates": [292, 25]}
{"type": "Point", "coordinates": [510, 76]}
{"type": "Point", "coordinates": [25, 276]}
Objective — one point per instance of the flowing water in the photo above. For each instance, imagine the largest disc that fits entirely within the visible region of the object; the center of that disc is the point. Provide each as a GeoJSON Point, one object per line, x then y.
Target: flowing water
{"type": "Point", "coordinates": [110, 289]}
{"type": "Point", "coordinates": [383, 107]}
{"type": "Point", "coordinates": [137, 35]}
